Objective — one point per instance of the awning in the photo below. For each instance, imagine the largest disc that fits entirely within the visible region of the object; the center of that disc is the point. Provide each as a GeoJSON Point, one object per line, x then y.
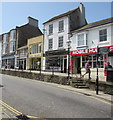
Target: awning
{"type": "Point", "coordinates": [8, 57]}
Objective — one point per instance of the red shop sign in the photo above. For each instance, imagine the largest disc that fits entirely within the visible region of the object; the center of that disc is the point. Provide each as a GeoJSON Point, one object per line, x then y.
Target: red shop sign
{"type": "Point", "coordinates": [87, 51]}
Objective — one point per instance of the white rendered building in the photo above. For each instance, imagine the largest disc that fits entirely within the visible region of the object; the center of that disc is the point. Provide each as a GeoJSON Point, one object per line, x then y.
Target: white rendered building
{"type": "Point", "coordinates": [84, 46]}
{"type": "Point", "coordinates": [56, 35]}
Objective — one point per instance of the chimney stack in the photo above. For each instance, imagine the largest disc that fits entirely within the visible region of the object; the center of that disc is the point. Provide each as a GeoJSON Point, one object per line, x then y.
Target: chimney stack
{"type": "Point", "coordinates": [32, 21]}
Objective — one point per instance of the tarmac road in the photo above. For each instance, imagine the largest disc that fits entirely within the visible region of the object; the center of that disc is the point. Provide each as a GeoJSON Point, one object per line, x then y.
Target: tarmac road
{"type": "Point", "coordinates": [43, 100]}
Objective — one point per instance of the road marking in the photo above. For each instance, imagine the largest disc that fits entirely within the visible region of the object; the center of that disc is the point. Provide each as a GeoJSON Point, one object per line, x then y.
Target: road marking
{"type": "Point", "coordinates": [107, 102]}
{"type": "Point", "coordinates": [14, 110]}
{"type": "Point", "coordinates": [94, 97]}
{"type": "Point", "coordinates": [10, 108]}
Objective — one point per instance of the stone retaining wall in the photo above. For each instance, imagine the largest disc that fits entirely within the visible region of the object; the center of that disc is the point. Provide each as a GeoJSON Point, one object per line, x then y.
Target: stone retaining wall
{"type": "Point", "coordinates": [106, 87]}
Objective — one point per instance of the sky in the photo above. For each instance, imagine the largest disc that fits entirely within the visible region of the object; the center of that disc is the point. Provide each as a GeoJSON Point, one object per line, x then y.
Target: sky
{"type": "Point", "coordinates": [16, 13]}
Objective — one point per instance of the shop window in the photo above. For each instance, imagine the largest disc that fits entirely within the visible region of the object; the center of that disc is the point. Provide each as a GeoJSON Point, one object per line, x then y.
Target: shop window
{"type": "Point", "coordinates": [56, 62]}
{"type": "Point", "coordinates": [61, 25]}
{"type": "Point", "coordinates": [50, 44]}
{"type": "Point", "coordinates": [103, 35]}
{"type": "Point", "coordinates": [93, 61]}
{"type": "Point", "coordinates": [60, 42]}
{"type": "Point", "coordinates": [50, 29]}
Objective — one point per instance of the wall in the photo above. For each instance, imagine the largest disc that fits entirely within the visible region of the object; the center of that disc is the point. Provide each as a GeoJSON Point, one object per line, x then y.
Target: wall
{"type": "Point", "coordinates": [36, 40]}
{"type": "Point", "coordinates": [55, 34]}
{"type": "Point", "coordinates": [93, 35]}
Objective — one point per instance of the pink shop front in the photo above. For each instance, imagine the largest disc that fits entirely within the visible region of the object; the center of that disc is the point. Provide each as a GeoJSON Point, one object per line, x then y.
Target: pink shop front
{"type": "Point", "coordinates": [79, 57]}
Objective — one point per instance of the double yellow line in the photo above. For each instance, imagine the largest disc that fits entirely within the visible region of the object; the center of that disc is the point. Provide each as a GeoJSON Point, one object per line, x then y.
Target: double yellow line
{"type": "Point", "coordinates": [13, 110]}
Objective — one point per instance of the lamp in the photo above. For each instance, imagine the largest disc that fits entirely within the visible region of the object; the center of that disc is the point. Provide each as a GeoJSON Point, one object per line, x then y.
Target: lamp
{"type": "Point", "coordinates": [68, 44]}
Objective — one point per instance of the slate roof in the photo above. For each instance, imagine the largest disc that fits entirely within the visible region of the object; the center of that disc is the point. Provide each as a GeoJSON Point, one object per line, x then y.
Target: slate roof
{"type": "Point", "coordinates": [95, 24]}
{"type": "Point", "coordinates": [61, 15]}
{"type": "Point", "coordinates": [26, 32]}
{"type": "Point", "coordinates": [27, 28]}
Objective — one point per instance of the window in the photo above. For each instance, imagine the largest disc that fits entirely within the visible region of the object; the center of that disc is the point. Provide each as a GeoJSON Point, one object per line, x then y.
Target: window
{"type": "Point", "coordinates": [12, 35]}
{"type": "Point", "coordinates": [12, 46]}
{"type": "Point", "coordinates": [61, 25]}
{"type": "Point", "coordinates": [5, 43]}
{"type": "Point", "coordinates": [12, 40]}
{"type": "Point", "coordinates": [50, 44]}
{"type": "Point", "coordinates": [103, 35]}
{"type": "Point", "coordinates": [93, 61]}
{"type": "Point", "coordinates": [50, 29]}
{"type": "Point", "coordinates": [40, 49]}
{"type": "Point", "coordinates": [80, 39]}
{"type": "Point", "coordinates": [36, 48]}
{"type": "Point", "coordinates": [60, 42]}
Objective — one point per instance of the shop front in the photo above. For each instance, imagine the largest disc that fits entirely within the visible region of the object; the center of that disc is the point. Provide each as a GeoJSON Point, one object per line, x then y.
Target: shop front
{"type": "Point", "coordinates": [56, 60]}
{"type": "Point", "coordinates": [80, 57]}
{"type": "Point", "coordinates": [8, 61]}
{"type": "Point", "coordinates": [21, 63]}
{"type": "Point", "coordinates": [35, 61]}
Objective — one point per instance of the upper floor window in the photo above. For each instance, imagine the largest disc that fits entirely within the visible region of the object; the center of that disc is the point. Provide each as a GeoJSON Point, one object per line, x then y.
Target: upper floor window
{"type": "Point", "coordinates": [12, 35]}
{"type": "Point", "coordinates": [61, 25]}
{"type": "Point", "coordinates": [60, 41]}
{"type": "Point", "coordinates": [35, 48]}
{"type": "Point", "coordinates": [5, 48]}
{"type": "Point", "coordinates": [5, 38]}
{"type": "Point", "coordinates": [103, 35]}
{"type": "Point", "coordinates": [5, 43]}
{"type": "Point", "coordinates": [40, 48]}
{"type": "Point", "coordinates": [81, 40]}
{"type": "Point", "coordinates": [12, 46]}
{"type": "Point", "coordinates": [50, 44]}
{"type": "Point", "coordinates": [50, 29]}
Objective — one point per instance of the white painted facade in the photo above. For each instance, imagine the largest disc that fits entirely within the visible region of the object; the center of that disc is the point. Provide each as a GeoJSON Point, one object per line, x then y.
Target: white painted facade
{"type": "Point", "coordinates": [91, 40]}
{"type": "Point", "coordinates": [71, 20]}
{"type": "Point", "coordinates": [55, 36]}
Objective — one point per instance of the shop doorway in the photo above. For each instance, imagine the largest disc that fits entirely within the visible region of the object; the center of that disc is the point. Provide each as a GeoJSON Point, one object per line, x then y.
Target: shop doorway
{"type": "Point", "coordinates": [78, 65]}
{"type": "Point", "coordinates": [65, 65]}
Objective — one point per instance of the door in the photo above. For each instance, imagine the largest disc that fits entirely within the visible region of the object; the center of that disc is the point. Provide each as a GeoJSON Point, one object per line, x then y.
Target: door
{"type": "Point", "coordinates": [78, 65]}
{"type": "Point", "coordinates": [65, 65]}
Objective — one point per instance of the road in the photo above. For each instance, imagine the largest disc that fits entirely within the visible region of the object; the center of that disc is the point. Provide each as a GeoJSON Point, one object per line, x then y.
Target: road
{"type": "Point", "coordinates": [43, 100]}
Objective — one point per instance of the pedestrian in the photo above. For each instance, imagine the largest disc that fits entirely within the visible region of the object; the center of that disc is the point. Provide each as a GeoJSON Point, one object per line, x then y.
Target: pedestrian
{"type": "Point", "coordinates": [87, 68]}
{"type": "Point", "coordinates": [108, 66]}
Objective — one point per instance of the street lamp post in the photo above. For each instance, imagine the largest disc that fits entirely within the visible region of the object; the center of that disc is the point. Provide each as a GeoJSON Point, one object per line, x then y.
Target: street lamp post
{"type": "Point", "coordinates": [68, 43]}
{"type": "Point", "coordinates": [97, 85]}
